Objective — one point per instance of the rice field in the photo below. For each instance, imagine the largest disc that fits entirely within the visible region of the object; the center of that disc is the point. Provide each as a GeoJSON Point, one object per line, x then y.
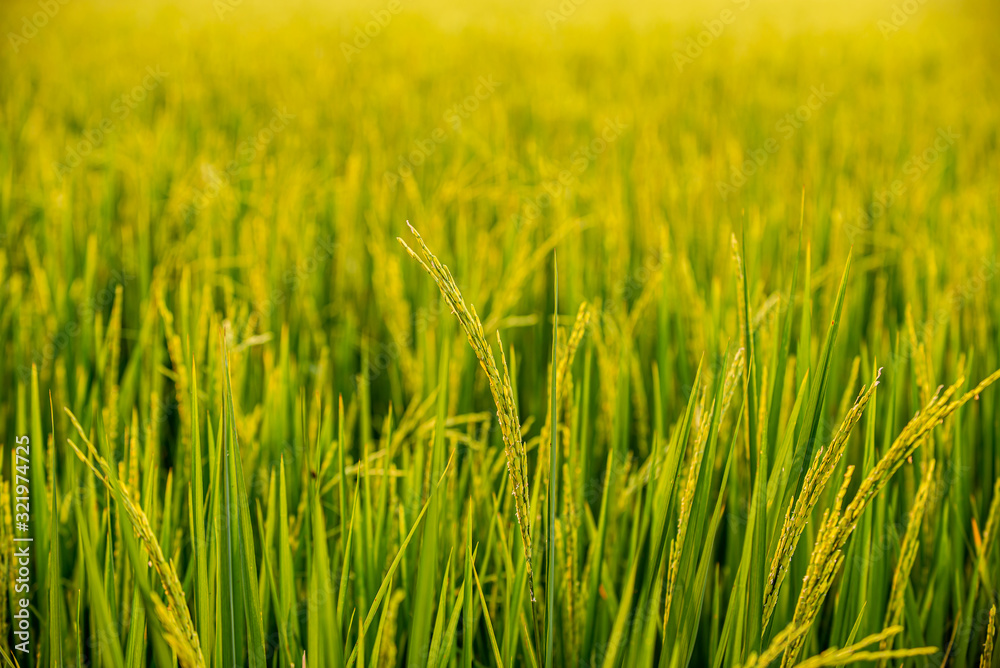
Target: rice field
{"type": "Point", "coordinates": [556, 334]}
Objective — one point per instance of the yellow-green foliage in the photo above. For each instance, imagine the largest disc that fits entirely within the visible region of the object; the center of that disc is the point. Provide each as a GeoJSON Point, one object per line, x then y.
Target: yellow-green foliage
{"type": "Point", "coordinates": [748, 420]}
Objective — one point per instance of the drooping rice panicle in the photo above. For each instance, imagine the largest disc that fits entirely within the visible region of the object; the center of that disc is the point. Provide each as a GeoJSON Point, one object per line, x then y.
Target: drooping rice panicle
{"type": "Point", "coordinates": [986, 660]}
{"type": "Point", "coordinates": [778, 645]}
{"type": "Point", "coordinates": [798, 514]}
{"type": "Point", "coordinates": [175, 618]}
{"type": "Point", "coordinates": [686, 499]}
{"type": "Point", "coordinates": [834, 656]}
{"type": "Point", "coordinates": [838, 526]}
{"type": "Point", "coordinates": [855, 653]}
{"type": "Point", "coordinates": [510, 426]}
{"type": "Point", "coordinates": [907, 555]}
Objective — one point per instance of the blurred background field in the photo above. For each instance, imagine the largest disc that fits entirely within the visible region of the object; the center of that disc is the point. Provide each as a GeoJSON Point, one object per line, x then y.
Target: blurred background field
{"type": "Point", "coordinates": [178, 175]}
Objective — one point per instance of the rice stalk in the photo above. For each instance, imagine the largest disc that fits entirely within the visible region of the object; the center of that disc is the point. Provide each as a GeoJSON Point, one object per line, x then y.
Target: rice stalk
{"type": "Point", "coordinates": [799, 512]}
{"type": "Point", "coordinates": [837, 526]}
{"type": "Point", "coordinates": [503, 396]}
{"type": "Point", "coordinates": [175, 618]}
{"type": "Point", "coordinates": [907, 555]}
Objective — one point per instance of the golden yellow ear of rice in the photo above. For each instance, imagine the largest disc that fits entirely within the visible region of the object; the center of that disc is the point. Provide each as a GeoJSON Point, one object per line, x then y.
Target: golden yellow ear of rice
{"type": "Point", "coordinates": [503, 396]}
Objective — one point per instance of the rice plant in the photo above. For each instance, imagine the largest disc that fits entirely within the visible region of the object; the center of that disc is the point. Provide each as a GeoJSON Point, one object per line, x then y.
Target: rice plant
{"type": "Point", "coordinates": [691, 362]}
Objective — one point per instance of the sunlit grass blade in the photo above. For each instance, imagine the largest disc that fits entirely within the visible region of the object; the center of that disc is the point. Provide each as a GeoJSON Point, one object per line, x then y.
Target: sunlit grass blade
{"type": "Point", "coordinates": [819, 383]}
{"type": "Point", "coordinates": [595, 563]}
{"type": "Point", "coordinates": [486, 617]}
{"type": "Point", "coordinates": [241, 557]}
{"type": "Point", "coordinates": [175, 618]}
{"type": "Point", "coordinates": [197, 515]}
{"type": "Point", "coordinates": [553, 488]}
{"type": "Point", "coordinates": [420, 644]}
{"type": "Point", "coordinates": [383, 588]}
{"type": "Point", "coordinates": [838, 525]}
{"type": "Point", "coordinates": [907, 555]}
{"type": "Point", "coordinates": [435, 652]}
{"type": "Point", "coordinates": [111, 651]}
{"type": "Point", "coordinates": [53, 606]}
